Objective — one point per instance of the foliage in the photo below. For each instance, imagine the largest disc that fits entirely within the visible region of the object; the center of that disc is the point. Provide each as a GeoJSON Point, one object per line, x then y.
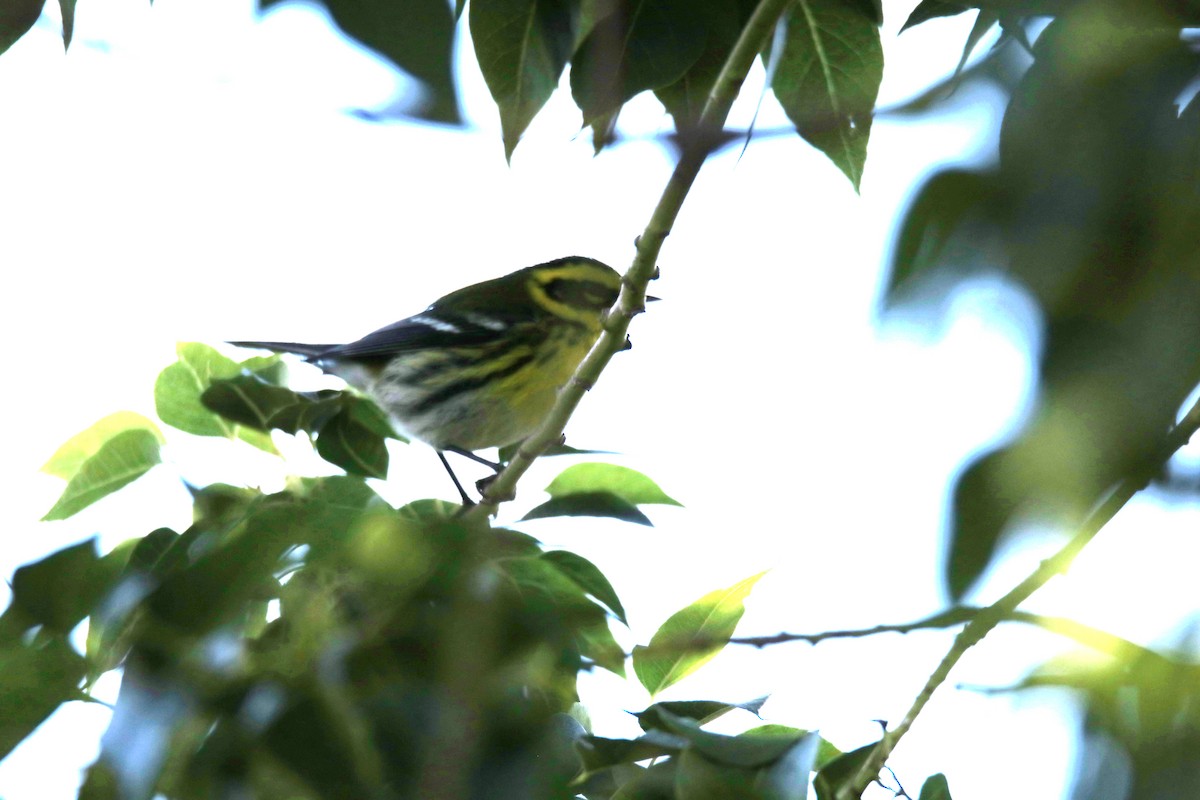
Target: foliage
{"type": "Point", "coordinates": [316, 642]}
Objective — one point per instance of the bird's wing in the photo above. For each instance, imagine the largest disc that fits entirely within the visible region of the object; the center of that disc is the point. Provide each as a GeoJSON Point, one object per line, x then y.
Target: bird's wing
{"type": "Point", "coordinates": [433, 327]}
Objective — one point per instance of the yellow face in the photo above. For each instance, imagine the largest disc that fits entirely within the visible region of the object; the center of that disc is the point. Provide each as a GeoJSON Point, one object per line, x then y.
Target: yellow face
{"type": "Point", "coordinates": [576, 291]}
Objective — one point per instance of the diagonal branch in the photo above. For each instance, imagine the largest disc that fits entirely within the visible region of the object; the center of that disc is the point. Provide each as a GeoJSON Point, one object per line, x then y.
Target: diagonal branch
{"type": "Point", "coordinates": [632, 300]}
{"type": "Point", "coordinates": [991, 616]}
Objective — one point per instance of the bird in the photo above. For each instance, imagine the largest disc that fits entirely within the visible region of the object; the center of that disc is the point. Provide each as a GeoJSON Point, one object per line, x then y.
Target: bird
{"type": "Point", "coordinates": [482, 366]}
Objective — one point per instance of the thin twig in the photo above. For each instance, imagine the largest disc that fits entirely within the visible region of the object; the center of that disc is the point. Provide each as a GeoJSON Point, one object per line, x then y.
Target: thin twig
{"type": "Point", "coordinates": [989, 617]}
{"type": "Point", "coordinates": [632, 300]}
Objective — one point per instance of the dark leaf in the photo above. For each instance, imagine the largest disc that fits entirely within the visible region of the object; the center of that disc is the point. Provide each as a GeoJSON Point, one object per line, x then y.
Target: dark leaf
{"type": "Point", "coordinates": [932, 9]}
{"type": "Point", "coordinates": [750, 749]}
{"type": "Point", "coordinates": [353, 446]}
{"type": "Point", "coordinates": [522, 47]}
{"type": "Point", "coordinates": [246, 400]}
{"type": "Point", "coordinates": [415, 35]}
{"type": "Point", "coordinates": [642, 44]}
{"type": "Point", "coordinates": [63, 588]}
{"type": "Point", "coordinates": [828, 77]}
{"type": "Point", "coordinates": [701, 776]}
{"type": "Point", "coordinates": [588, 577]}
{"type": "Point", "coordinates": [840, 771]}
{"type": "Point", "coordinates": [588, 504]}
{"type": "Point", "coordinates": [16, 18]}
{"type": "Point", "coordinates": [935, 788]}
{"type": "Point", "coordinates": [701, 711]}
{"type": "Point", "coordinates": [599, 752]}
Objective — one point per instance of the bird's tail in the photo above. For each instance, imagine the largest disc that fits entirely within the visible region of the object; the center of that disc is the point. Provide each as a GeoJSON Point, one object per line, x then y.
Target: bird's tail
{"type": "Point", "coordinates": [306, 350]}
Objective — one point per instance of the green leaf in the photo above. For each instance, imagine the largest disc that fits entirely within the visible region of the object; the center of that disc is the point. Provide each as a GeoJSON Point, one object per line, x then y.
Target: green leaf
{"type": "Point", "coordinates": [64, 587]}
{"type": "Point", "coordinates": [828, 77]}
{"type": "Point", "coordinates": [119, 461]}
{"type": "Point", "coordinates": [246, 400]}
{"type": "Point", "coordinates": [935, 788]}
{"type": "Point", "coordinates": [415, 35]}
{"type": "Point", "coordinates": [840, 771]}
{"type": "Point", "coordinates": [685, 98]}
{"type": "Point", "coordinates": [642, 44]}
{"type": "Point", "coordinates": [588, 577]}
{"type": "Point", "coordinates": [983, 24]}
{"type": "Point", "coordinates": [34, 681]}
{"type": "Point", "coordinates": [67, 7]}
{"type": "Point", "coordinates": [67, 460]}
{"type": "Point", "coordinates": [750, 749]}
{"type": "Point", "coordinates": [691, 637]}
{"type": "Point", "coordinates": [598, 752]}
{"type": "Point", "coordinates": [629, 485]}
{"type": "Point", "coordinates": [522, 47]}
{"type": "Point", "coordinates": [931, 9]}
{"type": "Point", "coordinates": [351, 445]}
{"type": "Point", "coordinates": [705, 774]}
{"type": "Point", "coordinates": [178, 388]}
{"type": "Point", "coordinates": [588, 504]}
{"type": "Point", "coordinates": [702, 711]}
{"type": "Point", "coordinates": [16, 18]}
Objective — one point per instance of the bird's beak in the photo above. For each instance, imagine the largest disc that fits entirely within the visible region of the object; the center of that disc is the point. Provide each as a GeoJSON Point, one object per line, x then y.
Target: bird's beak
{"type": "Point", "coordinates": [651, 298]}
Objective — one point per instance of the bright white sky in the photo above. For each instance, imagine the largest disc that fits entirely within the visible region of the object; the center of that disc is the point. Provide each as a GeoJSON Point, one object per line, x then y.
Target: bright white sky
{"type": "Point", "coordinates": [188, 172]}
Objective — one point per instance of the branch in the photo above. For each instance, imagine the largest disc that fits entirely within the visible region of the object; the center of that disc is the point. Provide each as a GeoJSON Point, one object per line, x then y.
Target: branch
{"type": "Point", "coordinates": [632, 300]}
{"type": "Point", "coordinates": [988, 618]}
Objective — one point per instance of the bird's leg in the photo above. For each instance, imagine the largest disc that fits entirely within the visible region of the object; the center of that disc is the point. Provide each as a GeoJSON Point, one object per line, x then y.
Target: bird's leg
{"type": "Point", "coordinates": [461, 491]}
{"type": "Point", "coordinates": [477, 459]}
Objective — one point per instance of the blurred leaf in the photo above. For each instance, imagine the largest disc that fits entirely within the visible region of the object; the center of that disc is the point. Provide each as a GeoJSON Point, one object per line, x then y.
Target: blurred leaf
{"type": "Point", "coordinates": [599, 752]}
{"type": "Point", "coordinates": [64, 587]}
{"type": "Point", "coordinates": [828, 77]}
{"type": "Point", "coordinates": [119, 461]}
{"type": "Point", "coordinates": [16, 18]}
{"type": "Point", "coordinates": [691, 637]}
{"type": "Point", "coordinates": [983, 23]}
{"type": "Point", "coordinates": [415, 35]}
{"type": "Point", "coordinates": [642, 44]}
{"type": "Point", "coordinates": [312, 739]}
{"type": "Point", "coordinates": [703, 776]}
{"type": "Point", "coordinates": [35, 680]}
{"type": "Point", "coordinates": [840, 771]}
{"type": "Point", "coordinates": [67, 460]}
{"type": "Point", "coordinates": [588, 504]}
{"type": "Point", "coordinates": [935, 788]}
{"type": "Point", "coordinates": [931, 9]}
{"type": "Point", "coordinates": [588, 577]}
{"type": "Point", "coordinates": [946, 204]}
{"type": "Point", "coordinates": [522, 47]}
{"type": "Point", "coordinates": [99, 783]}
{"type": "Point", "coordinates": [1098, 174]}
{"type": "Point", "coordinates": [627, 484]}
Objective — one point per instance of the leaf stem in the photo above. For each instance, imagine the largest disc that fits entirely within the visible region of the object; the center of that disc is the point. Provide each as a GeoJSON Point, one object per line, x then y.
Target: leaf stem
{"type": "Point", "coordinates": [989, 617]}
{"type": "Point", "coordinates": [632, 300]}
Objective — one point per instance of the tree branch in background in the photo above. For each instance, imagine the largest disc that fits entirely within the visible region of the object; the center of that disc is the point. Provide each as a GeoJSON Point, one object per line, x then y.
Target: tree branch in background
{"type": "Point", "coordinates": [988, 618]}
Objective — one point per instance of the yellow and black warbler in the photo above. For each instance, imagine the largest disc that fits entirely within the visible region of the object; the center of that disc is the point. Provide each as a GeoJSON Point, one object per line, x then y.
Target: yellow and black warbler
{"type": "Point", "coordinates": [482, 366]}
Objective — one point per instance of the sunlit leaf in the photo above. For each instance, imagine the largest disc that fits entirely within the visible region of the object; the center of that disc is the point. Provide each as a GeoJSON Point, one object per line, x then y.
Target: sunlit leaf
{"type": "Point", "coordinates": [119, 461]}
{"type": "Point", "coordinates": [828, 77]}
{"type": "Point", "coordinates": [628, 484]}
{"type": "Point", "coordinates": [691, 637]}
{"type": "Point", "coordinates": [67, 460]}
